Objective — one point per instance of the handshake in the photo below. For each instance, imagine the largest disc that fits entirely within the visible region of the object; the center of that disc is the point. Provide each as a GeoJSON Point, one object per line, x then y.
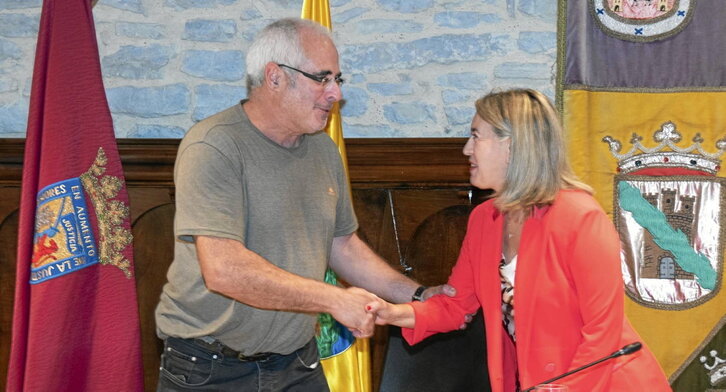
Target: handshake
{"type": "Point", "coordinates": [360, 311]}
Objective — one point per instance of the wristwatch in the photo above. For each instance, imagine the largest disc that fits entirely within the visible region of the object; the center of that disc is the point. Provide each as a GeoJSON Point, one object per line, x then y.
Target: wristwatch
{"type": "Point", "coordinates": [417, 295]}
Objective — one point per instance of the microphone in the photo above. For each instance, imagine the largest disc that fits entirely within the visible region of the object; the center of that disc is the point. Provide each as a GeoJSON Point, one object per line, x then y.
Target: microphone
{"type": "Point", "coordinates": [626, 350]}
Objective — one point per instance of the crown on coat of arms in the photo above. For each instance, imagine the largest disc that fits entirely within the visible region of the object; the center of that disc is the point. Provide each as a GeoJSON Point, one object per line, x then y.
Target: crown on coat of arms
{"type": "Point", "coordinates": [717, 369]}
{"type": "Point", "coordinates": [666, 154]}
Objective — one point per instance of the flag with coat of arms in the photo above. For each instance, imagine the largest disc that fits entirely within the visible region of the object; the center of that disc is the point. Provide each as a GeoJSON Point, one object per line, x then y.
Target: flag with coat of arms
{"type": "Point", "coordinates": [647, 77]}
{"type": "Point", "coordinates": [75, 321]}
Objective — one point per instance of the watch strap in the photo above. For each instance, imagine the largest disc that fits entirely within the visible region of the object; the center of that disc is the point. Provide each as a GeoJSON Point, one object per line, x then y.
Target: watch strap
{"type": "Point", "coordinates": [417, 295]}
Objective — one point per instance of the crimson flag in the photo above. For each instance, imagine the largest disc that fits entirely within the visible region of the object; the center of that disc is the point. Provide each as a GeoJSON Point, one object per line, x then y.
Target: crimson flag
{"type": "Point", "coordinates": [75, 323]}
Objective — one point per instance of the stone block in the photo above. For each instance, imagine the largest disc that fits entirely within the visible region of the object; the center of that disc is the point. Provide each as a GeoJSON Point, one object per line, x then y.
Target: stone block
{"type": "Point", "coordinates": [8, 85]}
{"type": "Point", "coordinates": [338, 3]}
{"type": "Point", "coordinates": [405, 6]}
{"type": "Point", "coordinates": [140, 30]}
{"type": "Point", "coordinates": [137, 62]}
{"type": "Point", "coordinates": [134, 6]}
{"type": "Point", "coordinates": [409, 113]}
{"type": "Point", "coordinates": [206, 30]}
{"type": "Point", "coordinates": [251, 14]}
{"type": "Point", "coordinates": [180, 5]}
{"type": "Point", "coordinates": [537, 41]}
{"type": "Point", "coordinates": [545, 9]}
{"type": "Point", "coordinates": [384, 26]}
{"type": "Point", "coordinates": [389, 89]}
{"type": "Point", "coordinates": [149, 102]}
{"type": "Point", "coordinates": [19, 25]}
{"type": "Point", "coordinates": [463, 81]}
{"type": "Point", "coordinates": [13, 118]}
{"type": "Point", "coordinates": [289, 4]}
{"type": "Point", "coordinates": [523, 71]}
{"type": "Point", "coordinates": [212, 98]}
{"type": "Point", "coordinates": [249, 29]}
{"type": "Point", "coordinates": [441, 49]}
{"type": "Point", "coordinates": [223, 66]}
{"type": "Point", "coordinates": [459, 115]}
{"type": "Point", "coordinates": [357, 78]}
{"type": "Point", "coordinates": [17, 4]}
{"type": "Point", "coordinates": [349, 14]}
{"type": "Point", "coordinates": [457, 96]}
{"type": "Point", "coordinates": [157, 131]}
{"type": "Point", "coordinates": [355, 102]}
{"type": "Point", "coordinates": [9, 50]}
{"type": "Point", "coordinates": [464, 19]}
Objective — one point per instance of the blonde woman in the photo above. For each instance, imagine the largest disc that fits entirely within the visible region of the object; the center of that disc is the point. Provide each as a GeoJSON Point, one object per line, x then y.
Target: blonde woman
{"type": "Point", "coordinates": [541, 259]}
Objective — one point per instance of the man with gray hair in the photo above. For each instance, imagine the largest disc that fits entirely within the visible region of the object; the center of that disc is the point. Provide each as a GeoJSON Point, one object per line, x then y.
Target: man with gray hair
{"type": "Point", "coordinates": [262, 209]}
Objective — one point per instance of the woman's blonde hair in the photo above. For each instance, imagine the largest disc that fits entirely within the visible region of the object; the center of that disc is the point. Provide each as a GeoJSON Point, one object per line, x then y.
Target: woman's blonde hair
{"type": "Point", "coordinates": [538, 165]}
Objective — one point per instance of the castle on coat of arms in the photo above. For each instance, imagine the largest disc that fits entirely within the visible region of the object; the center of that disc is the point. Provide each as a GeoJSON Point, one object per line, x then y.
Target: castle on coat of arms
{"type": "Point", "coordinates": [668, 207]}
{"type": "Point", "coordinates": [657, 262]}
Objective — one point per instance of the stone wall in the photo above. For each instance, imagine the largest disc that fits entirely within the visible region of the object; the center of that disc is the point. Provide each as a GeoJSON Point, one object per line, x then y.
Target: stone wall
{"type": "Point", "coordinates": [413, 67]}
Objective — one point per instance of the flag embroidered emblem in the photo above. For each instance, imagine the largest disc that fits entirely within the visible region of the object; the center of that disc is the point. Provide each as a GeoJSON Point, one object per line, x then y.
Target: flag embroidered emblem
{"type": "Point", "coordinates": [642, 20]}
{"type": "Point", "coordinates": [669, 209]}
{"type": "Point", "coordinates": [672, 238]}
{"type": "Point", "coordinates": [64, 239]}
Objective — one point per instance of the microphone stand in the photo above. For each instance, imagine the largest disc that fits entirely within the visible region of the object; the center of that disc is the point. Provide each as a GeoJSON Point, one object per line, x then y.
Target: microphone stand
{"type": "Point", "coordinates": [627, 350]}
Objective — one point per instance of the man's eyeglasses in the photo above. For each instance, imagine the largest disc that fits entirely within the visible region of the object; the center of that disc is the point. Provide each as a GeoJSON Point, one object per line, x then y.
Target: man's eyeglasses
{"type": "Point", "coordinates": [324, 80]}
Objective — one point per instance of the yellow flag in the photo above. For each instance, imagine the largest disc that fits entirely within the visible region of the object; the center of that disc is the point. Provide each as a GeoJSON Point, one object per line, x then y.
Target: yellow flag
{"type": "Point", "coordinates": [346, 360]}
{"type": "Point", "coordinates": [673, 336]}
{"type": "Point", "coordinates": [624, 73]}
{"type": "Point", "coordinates": [319, 11]}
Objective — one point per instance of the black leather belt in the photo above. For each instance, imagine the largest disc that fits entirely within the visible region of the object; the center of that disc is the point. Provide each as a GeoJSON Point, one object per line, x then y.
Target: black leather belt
{"type": "Point", "coordinates": [227, 352]}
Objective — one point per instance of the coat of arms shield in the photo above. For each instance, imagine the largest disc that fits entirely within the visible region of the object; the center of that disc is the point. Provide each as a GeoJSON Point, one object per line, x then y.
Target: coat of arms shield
{"type": "Point", "coordinates": [642, 20]}
{"type": "Point", "coordinates": [669, 208]}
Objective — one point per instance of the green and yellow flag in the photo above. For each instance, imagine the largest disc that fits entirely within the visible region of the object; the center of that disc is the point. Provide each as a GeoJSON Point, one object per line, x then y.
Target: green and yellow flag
{"type": "Point", "coordinates": [345, 360]}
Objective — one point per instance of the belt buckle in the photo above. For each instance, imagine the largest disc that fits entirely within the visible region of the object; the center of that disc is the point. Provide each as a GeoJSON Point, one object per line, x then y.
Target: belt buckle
{"type": "Point", "coordinates": [215, 345]}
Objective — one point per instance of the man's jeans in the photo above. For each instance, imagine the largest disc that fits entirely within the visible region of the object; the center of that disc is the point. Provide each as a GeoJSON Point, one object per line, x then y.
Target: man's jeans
{"type": "Point", "coordinates": [189, 366]}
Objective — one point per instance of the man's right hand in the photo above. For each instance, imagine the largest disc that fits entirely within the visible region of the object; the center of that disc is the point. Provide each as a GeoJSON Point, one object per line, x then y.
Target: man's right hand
{"type": "Point", "coordinates": [350, 310]}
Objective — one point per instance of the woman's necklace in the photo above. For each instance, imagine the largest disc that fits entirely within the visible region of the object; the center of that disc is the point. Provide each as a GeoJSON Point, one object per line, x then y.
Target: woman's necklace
{"type": "Point", "coordinates": [513, 223]}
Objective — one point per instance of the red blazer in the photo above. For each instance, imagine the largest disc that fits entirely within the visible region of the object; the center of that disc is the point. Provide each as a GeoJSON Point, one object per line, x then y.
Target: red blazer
{"type": "Point", "coordinates": [568, 300]}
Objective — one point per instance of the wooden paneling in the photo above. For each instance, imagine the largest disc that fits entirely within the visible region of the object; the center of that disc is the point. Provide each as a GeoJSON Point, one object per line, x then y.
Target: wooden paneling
{"type": "Point", "coordinates": [411, 196]}
{"type": "Point", "coordinates": [8, 244]}
{"type": "Point", "coordinates": [153, 230]}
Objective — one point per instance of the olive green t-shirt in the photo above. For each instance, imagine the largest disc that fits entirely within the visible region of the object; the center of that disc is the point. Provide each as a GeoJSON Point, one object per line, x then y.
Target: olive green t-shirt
{"type": "Point", "coordinates": [285, 204]}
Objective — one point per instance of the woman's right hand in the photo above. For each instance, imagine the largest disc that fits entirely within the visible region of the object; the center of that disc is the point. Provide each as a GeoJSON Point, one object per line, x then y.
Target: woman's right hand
{"type": "Point", "coordinates": [392, 314]}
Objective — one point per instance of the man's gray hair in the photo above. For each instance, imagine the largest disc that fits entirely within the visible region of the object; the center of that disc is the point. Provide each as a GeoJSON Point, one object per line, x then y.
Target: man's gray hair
{"type": "Point", "coordinates": [279, 42]}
